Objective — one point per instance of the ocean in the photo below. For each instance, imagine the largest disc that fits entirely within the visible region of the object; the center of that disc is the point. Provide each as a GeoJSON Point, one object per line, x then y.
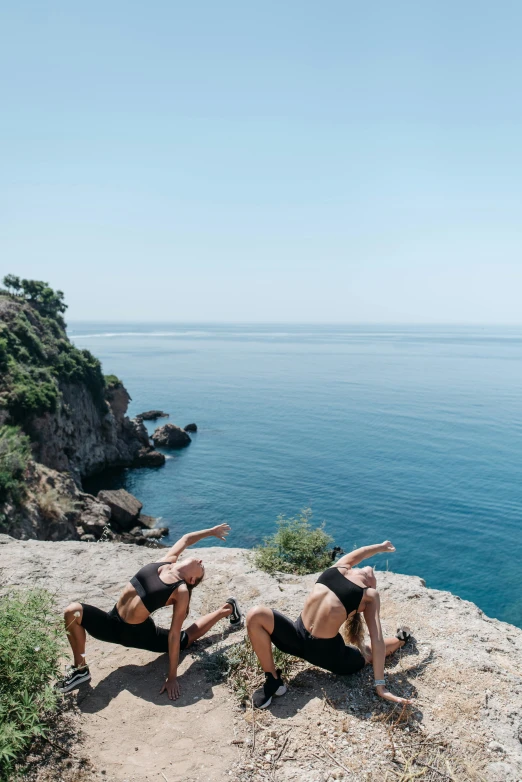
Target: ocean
{"type": "Point", "coordinates": [411, 433]}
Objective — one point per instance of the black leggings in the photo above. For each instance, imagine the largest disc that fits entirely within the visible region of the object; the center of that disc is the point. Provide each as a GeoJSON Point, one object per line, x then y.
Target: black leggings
{"type": "Point", "coordinates": [109, 626]}
{"type": "Point", "coordinates": [332, 654]}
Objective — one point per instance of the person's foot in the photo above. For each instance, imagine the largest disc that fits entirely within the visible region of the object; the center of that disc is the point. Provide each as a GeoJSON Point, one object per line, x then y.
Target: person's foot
{"type": "Point", "coordinates": [403, 634]}
{"type": "Point", "coordinates": [236, 617]}
{"type": "Point", "coordinates": [73, 678]}
{"type": "Point", "coordinates": [262, 698]}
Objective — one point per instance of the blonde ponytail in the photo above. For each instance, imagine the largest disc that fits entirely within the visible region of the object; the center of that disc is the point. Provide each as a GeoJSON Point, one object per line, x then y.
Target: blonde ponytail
{"type": "Point", "coordinates": [352, 631]}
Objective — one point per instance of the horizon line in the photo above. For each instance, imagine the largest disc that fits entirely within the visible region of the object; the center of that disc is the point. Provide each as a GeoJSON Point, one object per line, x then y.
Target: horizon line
{"type": "Point", "coordinates": [125, 321]}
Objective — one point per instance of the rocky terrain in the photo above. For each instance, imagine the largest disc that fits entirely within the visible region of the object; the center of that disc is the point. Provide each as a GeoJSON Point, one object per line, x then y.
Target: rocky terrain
{"type": "Point", "coordinates": [73, 418]}
{"type": "Point", "coordinates": [464, 672]}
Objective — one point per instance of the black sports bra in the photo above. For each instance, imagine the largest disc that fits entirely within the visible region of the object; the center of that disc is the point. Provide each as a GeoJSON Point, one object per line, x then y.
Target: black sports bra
{"type": "Point", "coordinates": [153, 591]}
{"type": "Point", "coordinates": [349, 594]}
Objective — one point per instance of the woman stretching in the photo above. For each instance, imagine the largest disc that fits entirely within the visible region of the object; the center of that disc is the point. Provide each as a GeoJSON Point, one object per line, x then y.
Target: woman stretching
{"type": "Point", "coordinates": [331, 618]}
{"type": "Point", "coordinates": [165, 582]}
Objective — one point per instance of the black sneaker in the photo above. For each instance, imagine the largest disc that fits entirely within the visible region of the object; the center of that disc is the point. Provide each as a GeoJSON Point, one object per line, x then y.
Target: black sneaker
{"type": "Point", "coordinates": [73, 678]}
{"type": "Point", "coordinates": [262, 698]}
{"type": "Point", "coordinates": [404, 634]}
{"type": "Point", "coordinates": [236, 617]}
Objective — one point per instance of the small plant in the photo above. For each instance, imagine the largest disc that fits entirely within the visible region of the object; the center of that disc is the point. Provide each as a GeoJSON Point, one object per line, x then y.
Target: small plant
{"type": "Point", "coordinates": [112, 382]}
{"type": "Point", "coordinates": [296, 547]}
{"type": "Point", "coordinates": [240, 666]}
{"type": "Point", "coordinates": [14, 457]}
{"type": "Point", "coordinates": [53, 505]}
{"type": "Point", "coordinates": [31, 642]}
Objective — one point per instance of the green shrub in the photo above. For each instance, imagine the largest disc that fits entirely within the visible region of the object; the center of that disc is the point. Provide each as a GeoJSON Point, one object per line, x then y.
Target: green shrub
{"type": "Point", "coordinates": [112, 382]}
{"type": "Point", "coordinates": [31, 392]}
{"type": "Point", "coordinates": [4, 354]}
{"type": "Point", "coordinates": [296, 547]}
{"type": "Point", "coordinates": [35, 354]}
{"type": "Point", "coordinates": [14, 456]}
{"type": "Point", "coordinates": [31, 642]}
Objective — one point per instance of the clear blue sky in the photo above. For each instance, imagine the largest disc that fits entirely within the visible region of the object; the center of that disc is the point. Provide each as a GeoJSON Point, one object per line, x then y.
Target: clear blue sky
{"type": "Point", "coordinates": [265, 161]}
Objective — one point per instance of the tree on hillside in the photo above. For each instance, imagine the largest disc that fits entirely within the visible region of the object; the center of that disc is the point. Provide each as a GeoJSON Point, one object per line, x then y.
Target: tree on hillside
{"type": "Point", "coordinates": [12, 283]}
{"type": "Point", "coordinates": [37, 293]}
{"type": "Point", "coordinates": [47, 301]}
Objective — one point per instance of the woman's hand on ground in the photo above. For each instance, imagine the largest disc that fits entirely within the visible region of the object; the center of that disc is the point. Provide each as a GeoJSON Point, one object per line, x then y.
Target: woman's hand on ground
{"type": "Point", "coordinates": [172, 689]}
{"type": "Point", "coordinates": [388, 696]}
{"type": "Point", "coordinates": [221, 531]}
{"type": "Point", "coordinates": [388, 546]}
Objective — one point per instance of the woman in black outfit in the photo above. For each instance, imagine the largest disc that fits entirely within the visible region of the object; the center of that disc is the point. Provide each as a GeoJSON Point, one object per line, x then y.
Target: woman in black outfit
{"type": "Point", "coordinates": [165, 582]}
{"type": "Point", "coordinates": [331, 619]}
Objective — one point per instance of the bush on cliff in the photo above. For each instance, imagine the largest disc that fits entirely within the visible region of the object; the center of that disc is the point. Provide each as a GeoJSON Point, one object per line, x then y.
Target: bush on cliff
{"type": "Point", "coordinates": [35, 354]}
{"type": "Point", "coordinates": [31, 642]}
{"type": "Point", "coordinates": [38, 293]}
{"type": "Point", "coordinates": [296, 547]}
{"type": "Point", "coordinates": [14, 457]}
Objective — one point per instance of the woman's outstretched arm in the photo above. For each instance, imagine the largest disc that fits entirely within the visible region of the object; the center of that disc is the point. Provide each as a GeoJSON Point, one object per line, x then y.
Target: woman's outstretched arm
{"type": "Point", "coordinates": [171, 685]}
{"type": "Point", "coordinates": [220, 531]}
{"type": "Point", "coordinates": [373, 622]}
{"type": "Point", "coordinates": [354, 557]}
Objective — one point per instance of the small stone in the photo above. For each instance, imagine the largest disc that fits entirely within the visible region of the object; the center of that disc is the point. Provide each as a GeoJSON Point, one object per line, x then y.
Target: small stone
{"type": "Point", "coordinates": [495, 746]}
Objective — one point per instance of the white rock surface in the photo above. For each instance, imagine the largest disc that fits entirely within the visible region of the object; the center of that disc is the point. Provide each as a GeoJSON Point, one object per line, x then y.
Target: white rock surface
{"type": "Point", "coordinates": [465, 673]}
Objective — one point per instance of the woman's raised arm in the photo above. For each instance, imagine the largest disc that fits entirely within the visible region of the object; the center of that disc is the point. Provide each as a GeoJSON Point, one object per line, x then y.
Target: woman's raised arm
{"type": "Point", "coordinates": [220, 531]}
{"type": "Point", "coordinates": [354, 557]}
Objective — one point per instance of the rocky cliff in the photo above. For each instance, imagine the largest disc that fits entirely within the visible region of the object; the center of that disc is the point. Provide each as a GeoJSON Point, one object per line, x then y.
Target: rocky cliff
{"type": "Point", "coordinates": [74, 418]}
{"type": "Point", "coordinates": [464, 672]}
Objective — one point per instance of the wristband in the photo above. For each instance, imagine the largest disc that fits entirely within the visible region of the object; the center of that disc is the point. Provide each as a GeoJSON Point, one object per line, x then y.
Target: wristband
{"type": "Point", "coordinates": [379, 683]}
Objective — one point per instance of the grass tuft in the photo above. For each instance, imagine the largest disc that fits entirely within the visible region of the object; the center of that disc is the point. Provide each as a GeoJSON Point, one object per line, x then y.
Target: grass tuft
{"type": "Point", "coordinates": [31, 642]}
{"type": "Point", "coordinates": [240, 666]}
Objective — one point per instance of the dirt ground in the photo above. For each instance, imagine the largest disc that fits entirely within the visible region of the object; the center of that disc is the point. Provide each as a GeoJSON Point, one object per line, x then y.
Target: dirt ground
{"type": "Point", "coordinates": [464, 672]}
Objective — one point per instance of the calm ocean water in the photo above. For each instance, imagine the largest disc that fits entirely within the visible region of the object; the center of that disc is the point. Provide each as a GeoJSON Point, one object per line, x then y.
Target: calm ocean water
{"type": "Point", "coordinates": [407, 433]}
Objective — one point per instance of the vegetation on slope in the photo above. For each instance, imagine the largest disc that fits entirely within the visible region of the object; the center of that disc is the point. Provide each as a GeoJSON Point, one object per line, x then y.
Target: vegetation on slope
{"type": "Point", "coordinates": [296, 547]}
{"type": "Point", "coordinates": [35, 354]}
{"type": "Point", "coordinates": [14, 457]}
{"type": "Point", "coordinates": [31, 641]}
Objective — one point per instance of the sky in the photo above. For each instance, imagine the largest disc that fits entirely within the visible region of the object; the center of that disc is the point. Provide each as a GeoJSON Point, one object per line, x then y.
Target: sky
{"type": "Point", "coordinates": [265, 161]}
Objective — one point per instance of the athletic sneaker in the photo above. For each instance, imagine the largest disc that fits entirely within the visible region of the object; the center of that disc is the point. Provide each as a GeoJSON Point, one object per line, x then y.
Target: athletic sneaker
{"type": "Point", "coordinates": [262, 698]}
{"type": "Point", "coordinates": [73, 678]}
{"type": "Point", "coordinates": [404, 634]}
{"type": "Point", "coordinates": [236, 617]}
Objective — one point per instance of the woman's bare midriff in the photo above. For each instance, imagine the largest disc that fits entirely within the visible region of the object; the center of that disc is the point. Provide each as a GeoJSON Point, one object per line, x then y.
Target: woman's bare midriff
{"type": "Point", "coordinates": [130, 606]}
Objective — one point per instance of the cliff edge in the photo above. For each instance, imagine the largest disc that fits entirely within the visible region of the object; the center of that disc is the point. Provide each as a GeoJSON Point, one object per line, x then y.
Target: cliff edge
{"type": "Point", "coordinates": [464, 671]}
{"type": "Point", "coordinates": [61, 419]}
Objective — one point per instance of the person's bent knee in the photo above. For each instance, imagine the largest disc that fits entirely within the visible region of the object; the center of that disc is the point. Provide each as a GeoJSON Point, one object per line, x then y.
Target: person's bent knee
{"type": "Point", "coordinates": [257, 614]}
{"type": "Point", "coordinates": [74, 611]}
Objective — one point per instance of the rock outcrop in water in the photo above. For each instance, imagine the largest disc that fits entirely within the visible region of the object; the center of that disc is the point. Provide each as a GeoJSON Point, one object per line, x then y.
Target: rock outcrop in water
{"type": "Point", "coordinates": [152, 415]}
{"type": "Point", "coordinates": [171, 436]}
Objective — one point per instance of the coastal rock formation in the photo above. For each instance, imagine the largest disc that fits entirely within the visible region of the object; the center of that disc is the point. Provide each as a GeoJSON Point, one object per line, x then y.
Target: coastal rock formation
{"type": "Point", "coordinates": [82, 439]}
{"type": "Point", "coordinates": [57, 402]}
{"type": "Point", "coordinates": [95, 516]}
{"type": "Point", "coordinates": [152, 415]}
{"type": "Point", "coordinates": [75, 418]}
{"type": "Point", "coordinates": [170, 436]}
{"type": "Point", "coordinates": [147, 457]}
{"type": "Point", "coordinates": [124, 507]}
{"type": "Point", "coordinates": [191, 428]}
{"type": "Point", "coordinates": [464, 672]}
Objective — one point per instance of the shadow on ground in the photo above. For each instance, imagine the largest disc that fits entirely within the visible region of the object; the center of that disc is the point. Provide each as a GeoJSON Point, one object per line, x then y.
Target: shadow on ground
{"type": "Point", "coordinates": [145, 681]}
